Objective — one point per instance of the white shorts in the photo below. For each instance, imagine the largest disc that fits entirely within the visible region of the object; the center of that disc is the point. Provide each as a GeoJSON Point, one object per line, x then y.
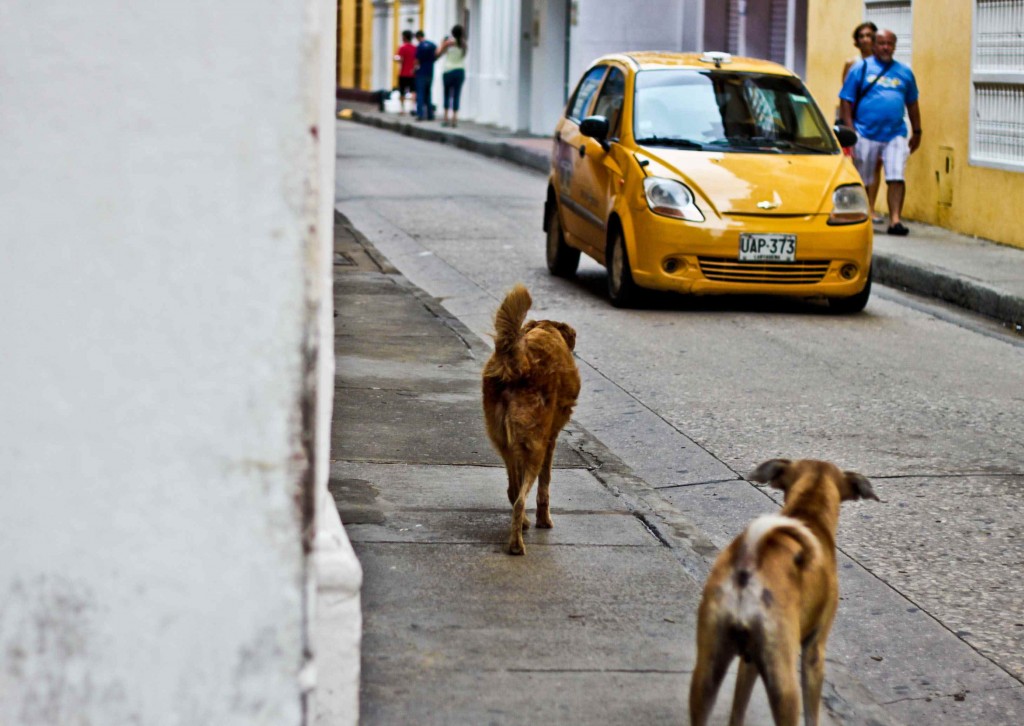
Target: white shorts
{"type": "Point", "coordinates": [892, 153]}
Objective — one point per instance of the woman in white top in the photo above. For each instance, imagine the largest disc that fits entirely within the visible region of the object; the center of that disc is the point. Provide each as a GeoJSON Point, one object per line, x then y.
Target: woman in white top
{"type": "Point", "coordinates": [454, 50]}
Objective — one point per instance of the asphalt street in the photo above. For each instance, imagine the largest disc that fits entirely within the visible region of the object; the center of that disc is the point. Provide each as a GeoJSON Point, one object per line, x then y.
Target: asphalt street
{"type": "Point", "coordinates": [692, 393]}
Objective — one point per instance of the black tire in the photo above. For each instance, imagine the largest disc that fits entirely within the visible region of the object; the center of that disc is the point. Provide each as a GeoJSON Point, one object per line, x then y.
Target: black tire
{"type": "Point", "coordinates": [852, 304]}
{"type": "Point", "coordinates": [562, 259]}
{"type": "Point", "coordinates": [622, 291]}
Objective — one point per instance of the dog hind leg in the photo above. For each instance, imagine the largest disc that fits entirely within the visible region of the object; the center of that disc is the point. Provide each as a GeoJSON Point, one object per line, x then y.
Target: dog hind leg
{"type": "Point", "coordinates": [513, 471]}
{"type": "Point", "coordinates": [513, 480]}
{"type": "Point", "coordinates": [778, 669]}
{"type": "Point", "coordinates": [746, 677]}
{"type": "Point", "coordinates": [528, 474]}
{"type": "Point", "coordinates": [543, 487]}
{"type": "Point", "coordinates": [812, 673]}
{"type": "Point", "coordinates": [713, 660]}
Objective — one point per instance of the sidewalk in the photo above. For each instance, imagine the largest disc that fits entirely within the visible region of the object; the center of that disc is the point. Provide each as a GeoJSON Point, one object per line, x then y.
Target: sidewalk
{"type": "Point", "coordinates": [595, 625]}
{"type": "Point", "coordinates": [975, 274]}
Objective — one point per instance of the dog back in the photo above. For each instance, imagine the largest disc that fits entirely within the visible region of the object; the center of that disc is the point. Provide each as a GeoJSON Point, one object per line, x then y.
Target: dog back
{"type": "Point", "coordinates": [752, 574]}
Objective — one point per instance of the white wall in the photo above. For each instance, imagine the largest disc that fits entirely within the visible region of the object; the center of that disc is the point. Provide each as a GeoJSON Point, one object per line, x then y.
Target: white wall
{"type": "Point", "coordinates": [547, 48]}
{"type": "Point", "coordinates": [515, 70]}
{"type": "Point", "coordinates": [383, 45]}
{"type": "Point", "coordinates": [491, 91]}
{"type": "Point", "coordinates": [438, 18]}
{"type": "Point", "coordinates": [611, 26]}
{"type": "Point", "coordinates": [494, 81]}
{"type": "Point", "coordinates": [166, 270]}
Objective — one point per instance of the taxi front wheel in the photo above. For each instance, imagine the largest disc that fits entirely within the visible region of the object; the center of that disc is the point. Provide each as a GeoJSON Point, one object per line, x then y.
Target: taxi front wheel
{"type": "Point", "coordinates": [622, 291]}
{"type": "Point", "coordinates": [562, 259]}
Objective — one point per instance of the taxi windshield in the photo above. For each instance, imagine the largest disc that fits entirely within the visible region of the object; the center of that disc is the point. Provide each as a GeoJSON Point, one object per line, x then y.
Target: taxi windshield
{"type": "Point", "coordinates": [728, 111]}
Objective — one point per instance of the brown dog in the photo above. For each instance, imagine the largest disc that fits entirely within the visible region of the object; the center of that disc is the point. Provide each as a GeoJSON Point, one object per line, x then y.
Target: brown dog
{"type": "Point", "coordinates": [772, 594]}
{"type": "Point", "coordinates": [530, 387]}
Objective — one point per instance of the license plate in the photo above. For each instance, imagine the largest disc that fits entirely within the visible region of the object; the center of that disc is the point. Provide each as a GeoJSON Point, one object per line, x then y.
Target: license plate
{"type": "Point", "coordinates": [767, 247]}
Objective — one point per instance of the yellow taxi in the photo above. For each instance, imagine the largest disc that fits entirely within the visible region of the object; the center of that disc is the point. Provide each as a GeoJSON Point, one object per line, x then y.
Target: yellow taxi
{"type": "Point", "coordinates": [706, 174]}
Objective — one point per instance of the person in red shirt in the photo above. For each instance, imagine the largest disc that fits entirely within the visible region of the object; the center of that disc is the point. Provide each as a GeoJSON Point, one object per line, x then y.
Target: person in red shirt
{"type": "Point", "coordinates": [407, 70]}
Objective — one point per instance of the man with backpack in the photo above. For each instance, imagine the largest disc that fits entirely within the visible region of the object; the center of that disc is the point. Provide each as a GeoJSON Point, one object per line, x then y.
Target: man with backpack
{"type": "Point", "coordinates": [873, 99]}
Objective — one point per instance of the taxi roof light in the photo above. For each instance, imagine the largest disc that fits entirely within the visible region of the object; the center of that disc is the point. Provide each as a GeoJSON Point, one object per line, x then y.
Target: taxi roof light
{"type": "Point", "coordinates": [717, 57]}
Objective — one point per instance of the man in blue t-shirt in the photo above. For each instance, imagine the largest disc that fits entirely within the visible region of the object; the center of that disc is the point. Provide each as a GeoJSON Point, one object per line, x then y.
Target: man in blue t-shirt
{"type": "Point", "coordinates": [874, 95]}
{"type": "Point", "coordinates": [426, 53]}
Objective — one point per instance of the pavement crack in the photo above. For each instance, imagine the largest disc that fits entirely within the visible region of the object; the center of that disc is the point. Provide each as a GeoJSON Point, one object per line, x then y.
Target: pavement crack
{"type": "Point", "coordinates": [935, 618]}
{"type": "Point", "coordinates": [699, 483]}
{"type": "Point", "coordinates": [503, 510]}
{"type": "Point", "coordinates": [491, 544]}
{"type": "Point", "coordinates": [651, 529]}
{"type": "Point", "coordinates": [651, 671]}
{"type": "Point", "coordinates": [426, 462]}
{"type": "Point", "coordinates": [953, 475]}
{"type": "Point", "coordinates": [662, 418]}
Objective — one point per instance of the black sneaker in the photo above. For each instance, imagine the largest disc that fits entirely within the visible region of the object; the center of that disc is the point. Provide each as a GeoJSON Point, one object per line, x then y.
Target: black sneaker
{"type": "Point", "coordinates": [898, 230]}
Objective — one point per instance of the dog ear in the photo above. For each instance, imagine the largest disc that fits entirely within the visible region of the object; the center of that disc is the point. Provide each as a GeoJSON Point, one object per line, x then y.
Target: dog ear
{"type": "Point", "coordinates": [568, 333]}
{"type": "Point", "coordinates": [857, 486]}
{"type": "Point", "coordinates": [775, 472]}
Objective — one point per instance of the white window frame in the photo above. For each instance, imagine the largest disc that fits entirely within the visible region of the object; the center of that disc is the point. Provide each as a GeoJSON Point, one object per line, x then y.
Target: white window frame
{"type": "Point", "coordinates": [989, 77]}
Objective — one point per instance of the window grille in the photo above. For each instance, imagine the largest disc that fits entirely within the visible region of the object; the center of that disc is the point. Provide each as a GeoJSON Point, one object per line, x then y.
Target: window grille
{"type": "Point", "coordinates": [998, 132]}
{"type": "Point", "coordinates": [777, 39]}
{"type": "Point", "coordinates": [733, 28]}
{"type": "Point", "coordinates": [997, 76]}
{"type": "Point", "coordinates": [738, 34]}
{"type": "Point", "coordinates": [998, 29]}
{"type": "Point", "coordinates": [897, 16]}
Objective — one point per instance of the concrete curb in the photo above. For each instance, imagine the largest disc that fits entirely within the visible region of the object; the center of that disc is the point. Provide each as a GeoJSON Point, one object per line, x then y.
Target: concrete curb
{"type": "Point", "coordinates": [494, 149]}
{"type": "Point", "coordinates": [891, 270]}
{"type": "Point", "coordinates": [935, 282]}
{"type": "Point", "coordinates": [338, 620]}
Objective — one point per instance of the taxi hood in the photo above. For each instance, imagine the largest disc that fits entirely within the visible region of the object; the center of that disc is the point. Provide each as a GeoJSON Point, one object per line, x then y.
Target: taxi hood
{"type": "Point", "coordinates": [763, 184]}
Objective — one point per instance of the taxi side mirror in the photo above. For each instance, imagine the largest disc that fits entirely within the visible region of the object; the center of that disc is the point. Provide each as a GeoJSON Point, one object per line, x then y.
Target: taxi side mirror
{"type": "Point", "coordinates": [847, 136]}
{"type": "Point", "coordinates": [596, 127]}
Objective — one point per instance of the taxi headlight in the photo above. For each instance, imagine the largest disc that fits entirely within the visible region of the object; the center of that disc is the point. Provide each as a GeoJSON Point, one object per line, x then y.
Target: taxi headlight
{"type": "Point", "coordinates": [671, 199]}
{"type": "Point", "coordinates": [849, 205]}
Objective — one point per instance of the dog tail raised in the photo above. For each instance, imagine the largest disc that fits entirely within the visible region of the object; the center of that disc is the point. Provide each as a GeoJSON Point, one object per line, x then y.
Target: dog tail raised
{"type": "Point", "coordinates": [762, 530]}
{"type": "Point", "coordinates": [509, 361]}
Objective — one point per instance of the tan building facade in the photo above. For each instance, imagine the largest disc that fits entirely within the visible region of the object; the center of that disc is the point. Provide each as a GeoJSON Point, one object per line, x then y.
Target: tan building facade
{"type": "Point", "coordinates": [968, 57]}
{"type": "Point", "coordinates": [355, 44]}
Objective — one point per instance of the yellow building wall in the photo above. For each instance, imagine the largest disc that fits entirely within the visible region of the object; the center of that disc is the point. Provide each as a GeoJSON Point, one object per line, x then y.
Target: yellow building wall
{"type": "Point", "coordinates": [349, 45]}
{"type": "Point", "coordinates": [973, 200]}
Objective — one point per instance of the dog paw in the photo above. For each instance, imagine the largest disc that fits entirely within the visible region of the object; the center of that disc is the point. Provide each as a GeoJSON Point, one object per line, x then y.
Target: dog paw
{"type": "Point", "coordinates": [516, 548]}
{"type": "Point", "coordinates": [526, 524]}
{"type": "Point", "coordinates": [544, 517]}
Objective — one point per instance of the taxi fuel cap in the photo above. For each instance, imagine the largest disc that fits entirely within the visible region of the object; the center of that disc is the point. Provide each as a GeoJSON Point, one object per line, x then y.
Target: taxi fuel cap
{"type": "Point", "coordinates": [717, 57]}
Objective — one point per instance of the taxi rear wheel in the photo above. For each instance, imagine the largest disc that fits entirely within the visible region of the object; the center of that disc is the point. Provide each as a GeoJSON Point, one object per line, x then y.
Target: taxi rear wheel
{"type": "Point", "coordinates": [562, 259]}
{"type": "Point", "coordinates": [622, 291]}
{"type": "Point", "coordinates": [852, 304]}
